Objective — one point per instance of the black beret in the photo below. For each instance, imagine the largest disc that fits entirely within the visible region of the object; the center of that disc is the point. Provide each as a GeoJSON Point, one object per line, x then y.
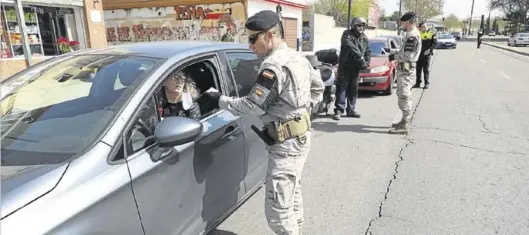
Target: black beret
{"type": "Point", "coordinates": [262, 21]}
{"type": "Point", "coordinates": [407, 16]}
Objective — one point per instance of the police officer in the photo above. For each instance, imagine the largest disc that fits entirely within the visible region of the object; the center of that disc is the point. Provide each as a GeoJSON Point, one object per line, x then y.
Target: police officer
{"type": "Point", "coordinates": [355, 55]}
{"type": "Point", "coordinates": [428, 41]}
{"type": "Point", "coordinates": [406, 58]}
{"type": "Point", "coordinates": [285, 89]}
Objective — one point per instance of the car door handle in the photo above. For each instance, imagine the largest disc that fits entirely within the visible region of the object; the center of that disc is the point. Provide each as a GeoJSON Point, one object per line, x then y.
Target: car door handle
{"type": "Point", "coordinates": [231, 133]}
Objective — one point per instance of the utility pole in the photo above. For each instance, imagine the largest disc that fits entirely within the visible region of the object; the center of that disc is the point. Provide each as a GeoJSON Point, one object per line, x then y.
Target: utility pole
{"type": "Point", "coordinates": [349, 15]}
{"type": "Point", "coordinates": [470, 22]}
{"type": "Point", "coordinates": [400, 14]}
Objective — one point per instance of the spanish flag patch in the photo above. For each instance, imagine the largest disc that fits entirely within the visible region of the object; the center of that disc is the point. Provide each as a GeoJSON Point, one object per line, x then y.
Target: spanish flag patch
{"type": "Point", "coordinates": [268, 74]}
{"type": "Point", "coordinates": [258, 92]}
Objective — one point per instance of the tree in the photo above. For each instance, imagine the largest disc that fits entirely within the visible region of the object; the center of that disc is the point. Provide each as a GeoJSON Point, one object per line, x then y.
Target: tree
{"type": "Point", "coordinates": [452, 22]}
{"type": "Point", "coordinates": [516, 11]}
{"type": "Point", "coordinates": [395, 16]}
{"type": "Point", "coordinates": [338, 9]}
{"type": "Point", "coordinates": [424, 9]}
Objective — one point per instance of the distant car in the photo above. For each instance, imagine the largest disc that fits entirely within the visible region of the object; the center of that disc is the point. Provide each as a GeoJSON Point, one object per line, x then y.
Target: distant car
{"type": "Point", "coordinates": [457, 35]}
{"type": "Point", "coordinates": [519, 39]}
{"type": "Point", "coordinates": [446, 41]}
{"type": "Point", "coordinates": [381, 73]}
{"type": "Point", "coordinates": [87, 148]}
{"type": "Point", "coordinates": [492, 34]}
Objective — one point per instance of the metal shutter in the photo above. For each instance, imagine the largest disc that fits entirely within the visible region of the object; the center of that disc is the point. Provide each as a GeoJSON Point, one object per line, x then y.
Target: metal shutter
{"type": "Point", "coordinates": [291, 32]}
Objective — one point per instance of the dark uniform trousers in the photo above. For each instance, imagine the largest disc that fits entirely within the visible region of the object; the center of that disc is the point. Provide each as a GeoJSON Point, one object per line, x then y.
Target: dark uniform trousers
{"type": "Point", "coordinates": [347, 92]}
{"type": "Point", "coordinates": [423, 66]}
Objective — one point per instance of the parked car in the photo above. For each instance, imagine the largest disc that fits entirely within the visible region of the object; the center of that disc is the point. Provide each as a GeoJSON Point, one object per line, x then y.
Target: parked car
{"type": "Point", "coordinates": [518, 39]}
{"type": "Point", "coordinates": [492, 34]}
{"type": "Point", "coordinates": [85, 149]}
{"type": "Point", "coordinates": [381, 73]}
{"type": "Point", "coordinates": [446, 41]}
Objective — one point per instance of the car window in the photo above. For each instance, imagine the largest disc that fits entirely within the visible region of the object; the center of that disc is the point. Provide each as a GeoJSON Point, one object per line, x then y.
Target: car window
{"type": "Point", "coordinates": [445, 36]}
{"type": "Point", "coordinates": [377, 47]}
{"type": "Point", "coordinates": [244, 67]}
{"type": "Point", "coordinates": [60, 109]}
{"type": "Point", "coordinates": [524, 35]}
{"type": "Point", "coordinates": [141, 135]}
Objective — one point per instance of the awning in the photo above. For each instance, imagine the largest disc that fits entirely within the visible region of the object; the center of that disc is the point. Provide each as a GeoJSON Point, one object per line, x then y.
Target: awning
{"type": "Point", "coordinates": [126, 4]}
{"type": "Point", "coordinates": [77, 3]}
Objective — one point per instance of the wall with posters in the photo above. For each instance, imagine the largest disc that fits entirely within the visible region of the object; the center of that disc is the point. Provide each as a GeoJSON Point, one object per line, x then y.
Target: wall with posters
{"type": "Point", "coordinates": [211, 22]}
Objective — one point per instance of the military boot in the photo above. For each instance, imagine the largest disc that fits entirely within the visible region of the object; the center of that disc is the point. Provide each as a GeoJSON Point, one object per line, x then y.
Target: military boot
{"type": "Point", "coordinates": [401, 128]}
{"type": "Point", "coordinates": [393, 125]}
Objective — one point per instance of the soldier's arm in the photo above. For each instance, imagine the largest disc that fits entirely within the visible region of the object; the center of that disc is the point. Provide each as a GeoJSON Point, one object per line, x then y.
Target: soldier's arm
{"type": "Point", "coordinates": [316, 87]}
{"type": "Point", "coordinates": [258, 101]}
{"type": "Point", "coordinates": [411, 45]}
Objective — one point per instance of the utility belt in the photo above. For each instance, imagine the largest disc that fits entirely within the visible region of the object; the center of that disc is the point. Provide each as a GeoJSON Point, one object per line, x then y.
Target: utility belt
{"type": "Point", "coordinates": [406, 66]}
{"type": "Point", "coordinates": [278, 132]}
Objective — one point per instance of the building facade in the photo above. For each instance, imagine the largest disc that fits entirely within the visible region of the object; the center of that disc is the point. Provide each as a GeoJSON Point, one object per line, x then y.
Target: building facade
{"type": "Point", "coordinates": [129, 21]}
{"type": "Point", "coordinates": [46, 23]}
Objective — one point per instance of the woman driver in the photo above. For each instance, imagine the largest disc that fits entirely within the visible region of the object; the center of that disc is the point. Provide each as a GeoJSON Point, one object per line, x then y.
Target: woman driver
{"type": "Point", "coordinates": [175, 88]}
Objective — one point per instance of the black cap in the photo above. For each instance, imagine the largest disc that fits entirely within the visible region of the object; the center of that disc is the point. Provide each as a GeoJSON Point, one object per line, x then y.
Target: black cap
{"type": "Point", "coordinates": [421, 24]}
{"type": "Point", "coordinates": [408, 16]}
{"type": "Point", "coordinates": [262, 21]}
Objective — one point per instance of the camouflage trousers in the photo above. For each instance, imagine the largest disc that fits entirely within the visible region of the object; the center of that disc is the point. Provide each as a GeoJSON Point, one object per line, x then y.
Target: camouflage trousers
{"type": "Point", "coordinates": [405, 82]}
{"type": "Point", "coordinates": [284, 203]}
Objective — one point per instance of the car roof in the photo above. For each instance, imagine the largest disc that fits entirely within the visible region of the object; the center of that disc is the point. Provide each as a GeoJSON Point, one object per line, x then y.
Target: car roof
{"type": "Point", "coordinates": [165, 49]}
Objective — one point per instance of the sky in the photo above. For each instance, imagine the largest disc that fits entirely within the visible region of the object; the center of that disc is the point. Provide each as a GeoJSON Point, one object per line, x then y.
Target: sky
{"type": "Point", "coordinates": [461, 8]}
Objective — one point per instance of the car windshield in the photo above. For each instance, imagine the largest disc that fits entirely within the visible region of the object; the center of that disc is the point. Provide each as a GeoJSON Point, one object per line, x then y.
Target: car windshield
{"type": "Point", "coordinates": [60, 108]}
{"type": "Point", "coordinates": [524, 35]}
{"type": "Point", "coordinates": [445, 36]}
{"type": "Point", "coordinates": [377, 48]}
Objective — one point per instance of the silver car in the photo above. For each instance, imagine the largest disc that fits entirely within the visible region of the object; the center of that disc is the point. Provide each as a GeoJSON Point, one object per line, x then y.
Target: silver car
{"type": "Point", "coordinates": [86, 149]}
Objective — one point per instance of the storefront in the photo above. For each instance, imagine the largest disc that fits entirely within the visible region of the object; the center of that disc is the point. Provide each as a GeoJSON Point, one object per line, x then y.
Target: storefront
{"type": "Point", "coordinates": [45, 25]}
{"type": "Point", "coordinates": [130, 21]}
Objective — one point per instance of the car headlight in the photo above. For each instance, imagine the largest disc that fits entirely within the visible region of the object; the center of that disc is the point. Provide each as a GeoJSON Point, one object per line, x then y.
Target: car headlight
{"type": "Point", "coordinates": [380, 69]}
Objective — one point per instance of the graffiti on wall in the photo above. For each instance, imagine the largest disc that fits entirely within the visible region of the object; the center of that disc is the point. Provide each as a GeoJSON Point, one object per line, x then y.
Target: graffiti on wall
{"type": "Point", "coordinates": [306, 37]}
{"type": "Point", "coordinates": [216, 22]}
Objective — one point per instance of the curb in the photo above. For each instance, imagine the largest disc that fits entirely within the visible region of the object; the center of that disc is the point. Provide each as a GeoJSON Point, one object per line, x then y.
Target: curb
{"type": "Point", "coordinates": [507, 49]}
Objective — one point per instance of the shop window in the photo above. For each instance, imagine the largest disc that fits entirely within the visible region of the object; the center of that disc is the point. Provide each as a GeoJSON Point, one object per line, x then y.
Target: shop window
{"type": "Point", "coordinates": [45, 27]}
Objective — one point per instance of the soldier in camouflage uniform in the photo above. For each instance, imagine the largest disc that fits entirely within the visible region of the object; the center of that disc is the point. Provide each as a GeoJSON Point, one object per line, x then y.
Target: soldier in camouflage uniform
{"type": "Point", "coordinates": [406, 58]}
{"type": "Point", "coordinates": [286, 88]}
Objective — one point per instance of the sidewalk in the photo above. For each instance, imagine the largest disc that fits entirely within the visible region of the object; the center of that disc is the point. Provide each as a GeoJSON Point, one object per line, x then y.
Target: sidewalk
{"type": "Point", "coordinates": [503, 45]}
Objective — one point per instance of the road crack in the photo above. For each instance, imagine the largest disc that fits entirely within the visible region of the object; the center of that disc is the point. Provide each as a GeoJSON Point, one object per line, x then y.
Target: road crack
{"type": "Point", "coordinates": [396, 169]}
{"type": "Point", "coordinates": [480, 117]}
{"type": "Point", "coordinates": [475, 148]}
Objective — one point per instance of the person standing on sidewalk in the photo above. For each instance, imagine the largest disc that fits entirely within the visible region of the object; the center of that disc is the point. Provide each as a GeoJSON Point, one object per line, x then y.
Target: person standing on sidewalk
{"type": "Point", "coordinates": [285, 90]}
{"type": "Point", "coordinates": [355, 55]}
{"type": "Point", "coordinates": [480, 35]}
{"type": "Point", "coordinates": [428, 42]}
{"type": "Point", "coordinates": [406, 58]}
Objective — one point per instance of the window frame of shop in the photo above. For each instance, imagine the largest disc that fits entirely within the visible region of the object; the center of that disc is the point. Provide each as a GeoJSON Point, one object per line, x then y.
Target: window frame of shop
{"type": "Point", "coordinates": [75, 8]}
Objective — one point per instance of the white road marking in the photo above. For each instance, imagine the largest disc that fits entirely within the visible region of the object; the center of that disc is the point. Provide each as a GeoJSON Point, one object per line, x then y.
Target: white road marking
{"type": "Point", "coordinates": [506, 76]}
{"type": "Point", "coordinates": [483, 60]}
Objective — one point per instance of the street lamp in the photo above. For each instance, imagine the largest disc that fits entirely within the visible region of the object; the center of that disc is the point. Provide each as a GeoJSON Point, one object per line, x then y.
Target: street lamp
{"type": "Point", "coordinates": [470, 23]}
{"type": "Point", "coordinates": [349, 14]}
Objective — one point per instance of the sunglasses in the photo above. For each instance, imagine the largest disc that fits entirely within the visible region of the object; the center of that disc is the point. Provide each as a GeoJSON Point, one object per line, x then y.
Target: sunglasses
{"type": "Point", "coordinates": [253, 38]}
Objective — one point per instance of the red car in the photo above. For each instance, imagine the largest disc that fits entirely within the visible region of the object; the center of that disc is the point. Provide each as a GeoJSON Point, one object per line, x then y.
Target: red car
{"type": "Point", "coordinates": [381, 73]}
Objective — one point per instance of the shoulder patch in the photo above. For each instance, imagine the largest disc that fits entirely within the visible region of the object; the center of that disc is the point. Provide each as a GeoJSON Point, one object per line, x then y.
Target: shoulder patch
{"type": "Point", "coordinates": [267, 78]}
{"type": "Point", "coordinates": [410, 44]}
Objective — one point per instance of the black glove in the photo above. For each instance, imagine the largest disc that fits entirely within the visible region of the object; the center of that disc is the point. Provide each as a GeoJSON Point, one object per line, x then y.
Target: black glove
{"type": "Point", "coordinates": [213, 97]}
{"type": "Point", "coordinates": [387, 50]}
{"type": "Point", "coordinates": [391, 57]}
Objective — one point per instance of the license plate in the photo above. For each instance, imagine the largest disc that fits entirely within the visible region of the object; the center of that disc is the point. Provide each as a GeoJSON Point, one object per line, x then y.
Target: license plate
{"type": "Point", "coordinates": [360, 80]}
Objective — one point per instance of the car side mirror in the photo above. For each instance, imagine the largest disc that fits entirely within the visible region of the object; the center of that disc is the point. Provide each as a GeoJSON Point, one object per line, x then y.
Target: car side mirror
{"type": "Point", "coordinates": [173, 131]}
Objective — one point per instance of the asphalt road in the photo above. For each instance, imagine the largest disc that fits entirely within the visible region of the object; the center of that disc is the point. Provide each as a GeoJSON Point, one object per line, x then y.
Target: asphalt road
{"type": "Point", "coordinates": [464, 168]}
